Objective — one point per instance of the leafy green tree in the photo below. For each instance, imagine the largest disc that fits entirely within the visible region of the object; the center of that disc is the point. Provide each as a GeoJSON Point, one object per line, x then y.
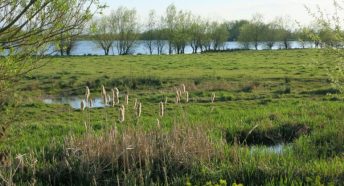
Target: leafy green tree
{"type": "Point", "coordinates": [219, 35]}
{"type": "Point", "coordinates": [125, 28]}
{"type": "Point", "coordinates": [27, 29]}
{"type": "Point", "coordinates": [303, 36]}
{"type": "Point", "coordinates": [331, 37]}
{"type": "Point", "coordinates": [181, 33]}
{"type": "Point", "coordinates": [270, 35]}
{"type": "Point", "coordinates": [102, 34]}
{"type": "Point", "coordinates": [234, 28]}
{"type": "Point", "coordinates": [170, 24]}
{"type": "Point", "coordinates": [284, 31]}
{"type": "Point", "coordinates": [252, 32]}
{"type": "Point", "coordinates": [150, 34]}
{"type": "Point", "coordinates": [197, 31]}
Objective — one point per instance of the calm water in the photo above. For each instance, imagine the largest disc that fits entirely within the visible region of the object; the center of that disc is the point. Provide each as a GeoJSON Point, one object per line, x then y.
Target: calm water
{"type": "Point", "coordinates": [276, 149]}
{"type": "Point", "coordinates": [74, 102]}
{"type": "Point", "coordinates": [91, 48]}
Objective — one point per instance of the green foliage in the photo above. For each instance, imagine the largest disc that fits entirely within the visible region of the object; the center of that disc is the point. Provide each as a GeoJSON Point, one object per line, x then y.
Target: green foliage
{"type": "Point", "coordinates": [194, 132]}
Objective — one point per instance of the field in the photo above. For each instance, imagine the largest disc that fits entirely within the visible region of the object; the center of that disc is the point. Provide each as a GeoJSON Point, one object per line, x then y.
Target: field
{"type": "Point", "coordinates": [275, 120]}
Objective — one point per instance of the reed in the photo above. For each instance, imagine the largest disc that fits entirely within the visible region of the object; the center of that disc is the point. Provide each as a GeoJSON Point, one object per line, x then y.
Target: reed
{"type": "Point", "coordinates": [213, 96]}
{"type": "Point", "coordinates": [113, 97]}
{"type": "Point", "coordinates": [186, 96]}
{"type": "Point", "coordinates": [121, 114]}
{"type": "Point", "coordinates": [126, 99]}
{"type": "Point", "coordinates": [177, 96]}
{"type": "Point", "coordinates": [183, 88]}
{"type": "Point", "coordinates": [90, 103]}
{"type": "Point", "coordinates": [161, 109]}
{"type": "Point", "coordinates": [87, 94]}
{"type": "Point", "coordinates": [135, 104]}
{"type": "Point", "coordinates": [158, 123]}
{"type": "Point", "coordinates": [116, 96]}
{"type": "Point", "coordinates": [82, 105]}
{"type": "Point", "coordinates": [104, 95]}
{"type": "Point", "coordinates": [139, 110]}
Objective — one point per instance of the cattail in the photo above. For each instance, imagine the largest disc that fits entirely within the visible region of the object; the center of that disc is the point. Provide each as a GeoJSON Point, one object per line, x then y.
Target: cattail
{"type": "Point", "coordinates": [161, 111]}
{"type": "Point", "coordinates": [187, 96]}
{"type": "Point", "coordinates": [139, 110]}
{"type": "Point", "coordinates": [135, 104]}
{"type": "Point", "coordinates": [116, 96]}
{"type": "Point", "coordinates": [158, 123]}
{"type": "Point", "coordinates": [82, 105]}
{"type": "Point", "coordinates": [213, 97]}
{"type": "Point", "coordinates": [183, 88]}
{"type": "Point", "coordinates": [127, 99]}
{"type": "Point", "coordinates": [113, 97]}
{"type": "Point", "coordinates": [108, 99]}
{"type": "Point", "coordinates": [87, 94]}
{"type": "Point", "coordinates": [103, 90]}
{"type": "Point", "coordinates": [166, 100]}
{"type": "Point", "coordinates": [104, 96]}
{"type": "Point", "coordinates": [177, 97]}
{"type": "Point", "coordinates": [180, 95]}
{"type": "Point", "coordinates": [90, 103]}
{"type": "Point", "coordinates": [122, 114]}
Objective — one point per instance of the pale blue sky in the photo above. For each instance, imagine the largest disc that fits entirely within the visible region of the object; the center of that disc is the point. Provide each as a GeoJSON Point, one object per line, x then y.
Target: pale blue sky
{"type": "Point", "coordinates": [227, 9]}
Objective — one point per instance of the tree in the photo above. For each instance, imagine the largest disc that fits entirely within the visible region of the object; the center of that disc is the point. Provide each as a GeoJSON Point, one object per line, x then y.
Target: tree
{"type": "Point", "coordinates": [169, 20]}
{"type": "Point", "coordinates": [123, 24]}
{"type": "Point", "coordinates": [66, 43]}
{"type": "Point", "coordinates": [150, 34]}
{"type": "Point", "coordinates": [284, 31]}
{"type": "Point", "coordinates": [234, 28]}
{"type": "Point", "coordinates": [303, 35]}
{"type": "Point", "coordinates": [102, 34]}
{"type": "Point", "coordinates": [331, 34]}
{"type": "Point", "coordinates": [27, 28]}
{"type": "Point", "coordinates": [197, 30]}
{"type": "Point", "coordinates": [181, 34]}
{"type": "Point", "coordinates": [160, 33]}
{"type": "Point", "coordinates": [219, 35]}
{"type": "Point", "coordinates": [270, 35]}
{"type": "Point", "coordinates": [252, 32]}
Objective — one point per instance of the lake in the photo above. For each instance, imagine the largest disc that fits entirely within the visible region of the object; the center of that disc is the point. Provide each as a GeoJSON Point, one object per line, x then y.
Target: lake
{"type": "Point", "coordinates": [91, 48]}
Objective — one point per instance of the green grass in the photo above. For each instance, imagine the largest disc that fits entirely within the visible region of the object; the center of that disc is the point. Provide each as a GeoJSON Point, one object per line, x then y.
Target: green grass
{"type": "Point", "coordinates": [262, 98]}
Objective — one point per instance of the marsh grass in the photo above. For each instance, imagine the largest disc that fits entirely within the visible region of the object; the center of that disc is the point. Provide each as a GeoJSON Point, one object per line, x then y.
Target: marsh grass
{"type": "Point", "coordinates": [196, 141]}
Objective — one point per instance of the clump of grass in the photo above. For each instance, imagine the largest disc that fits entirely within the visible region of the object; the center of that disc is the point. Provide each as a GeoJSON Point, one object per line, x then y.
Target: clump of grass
{"type": "Point", "coordinates": [251, 87]}
{"type": "Point", "coordinates": [135, 156]}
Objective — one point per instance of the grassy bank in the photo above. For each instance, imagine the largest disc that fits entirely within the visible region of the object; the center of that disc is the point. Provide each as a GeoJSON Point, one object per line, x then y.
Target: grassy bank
{"type": "Point", "coordinates": [263, 99]}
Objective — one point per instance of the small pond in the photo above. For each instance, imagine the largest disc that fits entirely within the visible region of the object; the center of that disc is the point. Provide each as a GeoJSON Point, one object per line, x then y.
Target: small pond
{"type": "Point", "coordinates": [275, 149]}
{"type": "Point", "coordinates": [74, 102]}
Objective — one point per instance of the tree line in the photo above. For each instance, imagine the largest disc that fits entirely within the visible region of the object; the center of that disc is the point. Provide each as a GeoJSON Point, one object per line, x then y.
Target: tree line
{"type": "Point", "coordinates": [177, 29]}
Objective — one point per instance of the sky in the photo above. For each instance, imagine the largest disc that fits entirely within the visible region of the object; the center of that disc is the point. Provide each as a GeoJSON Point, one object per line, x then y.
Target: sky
{"type": "Point", "coordinates": [227, 10]}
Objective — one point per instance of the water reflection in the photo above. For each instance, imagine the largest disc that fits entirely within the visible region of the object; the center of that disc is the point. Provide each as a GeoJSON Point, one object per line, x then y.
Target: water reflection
{"type": "Point", "coordinates": [74, 102]}
{"type": "Point", "coordinates": [276, 149]}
